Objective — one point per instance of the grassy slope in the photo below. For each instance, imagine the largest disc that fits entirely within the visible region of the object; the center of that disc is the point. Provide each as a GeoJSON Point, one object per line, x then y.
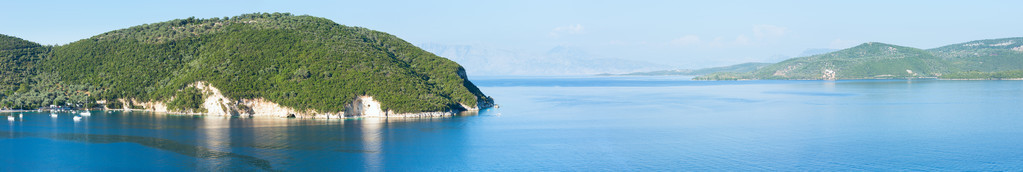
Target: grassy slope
{"type": "Point", "coordinates": [868, 60]}
{"type": "Point", "coordinates": [990, 55]}
{"type": "Point", "coordinates": [981, 59]}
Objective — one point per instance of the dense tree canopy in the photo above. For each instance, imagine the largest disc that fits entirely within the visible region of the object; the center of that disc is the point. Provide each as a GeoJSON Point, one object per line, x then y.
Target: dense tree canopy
{"type": "Point", "coordinates": [8, 42]}
{"type": "Point", "coordinates": [304, 62]}
{"type": "Point", "coordinates": [1011, 74]}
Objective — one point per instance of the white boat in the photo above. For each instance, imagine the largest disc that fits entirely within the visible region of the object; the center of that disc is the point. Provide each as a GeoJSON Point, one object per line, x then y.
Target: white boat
{"type": "Point", "coordinates": [86, 113]}
{"type": "Point", "coordinates": [77, 118]}
{"type": "Point", "coordinates": [54, 115]}
{"type": "Point", "coordinates": [10, 118]}
{"type": "Point", "coordinates": [21, 115]}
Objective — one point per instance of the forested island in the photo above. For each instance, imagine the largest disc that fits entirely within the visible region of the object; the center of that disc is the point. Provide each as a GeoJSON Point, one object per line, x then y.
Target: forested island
{"type": "Point", "coordinates": [993, 59]}
{"type": "Point", "coordinates": [261, 64]}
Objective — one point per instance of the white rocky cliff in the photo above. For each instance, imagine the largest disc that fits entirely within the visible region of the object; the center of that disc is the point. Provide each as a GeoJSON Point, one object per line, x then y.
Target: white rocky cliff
{"type": "Point", "coordinates": [216, 104]}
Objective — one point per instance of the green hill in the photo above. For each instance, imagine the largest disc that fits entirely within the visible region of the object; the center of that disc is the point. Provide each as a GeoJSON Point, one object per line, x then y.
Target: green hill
{"type": "Point", "coordinates": [301, 62]}
{"type": "Point", "coordinates": [866, 61]}
{"type": "Point", "coordinates": [990, 55]}
{"type": "Point", "coordinates": [982, 59]}
{"type": "Point", "coordinates": [8, 42]}
{"type": "Point", "coordinates": [17, 64]}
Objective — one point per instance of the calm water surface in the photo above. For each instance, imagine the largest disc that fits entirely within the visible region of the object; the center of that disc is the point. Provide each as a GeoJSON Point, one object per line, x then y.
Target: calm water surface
{"type": "Point", "coordinates": [574, 124]}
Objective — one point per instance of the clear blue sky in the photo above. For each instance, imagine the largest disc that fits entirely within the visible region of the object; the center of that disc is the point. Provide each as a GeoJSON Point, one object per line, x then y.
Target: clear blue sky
{"type": "Point", "coordinates": [680, 33]}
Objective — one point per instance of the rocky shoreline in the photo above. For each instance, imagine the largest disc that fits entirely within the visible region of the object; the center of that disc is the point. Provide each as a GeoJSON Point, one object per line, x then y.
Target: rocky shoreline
{"type": "Point", "coordinates": [12, 111]}
{"type": "Point", "coordinates": [316, 116]}
{"type": "Point", "coordinates": [216, 104]}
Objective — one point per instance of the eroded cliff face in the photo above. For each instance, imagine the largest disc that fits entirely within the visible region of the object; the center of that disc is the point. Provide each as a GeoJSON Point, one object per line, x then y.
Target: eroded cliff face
{"type": "Point", "coordinates": [216, 104]}
{"type": "Point", "coordinates": [150, 106]}
{"type": "Point", "coordinates": [364, 106]}
{"type": "Point", "coordinates": [262, 107]}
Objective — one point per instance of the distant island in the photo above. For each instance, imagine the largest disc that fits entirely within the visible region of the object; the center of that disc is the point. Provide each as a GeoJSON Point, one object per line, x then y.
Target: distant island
{"type": "Point", "coordinates": [994, 59]}
{"type": "Point", "coordinates": [261, 64]}
{"type": "Point", "coordinates": [744, 67]}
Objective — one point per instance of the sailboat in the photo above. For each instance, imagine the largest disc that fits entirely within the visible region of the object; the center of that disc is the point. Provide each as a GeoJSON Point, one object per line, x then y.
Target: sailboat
{"type": "Point", "coordinates": [86, 113]}
{"type": "Point", "coordinates": [10, 118]}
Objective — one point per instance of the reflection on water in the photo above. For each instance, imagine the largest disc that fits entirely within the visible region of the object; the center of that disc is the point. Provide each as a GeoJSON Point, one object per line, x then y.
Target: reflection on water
{"type": "Point", "coordinates": [162, 144]}
{"type": "Point", "coordinates": [225, 143]}
{"type": "Point", "coordinates": [371, 134]}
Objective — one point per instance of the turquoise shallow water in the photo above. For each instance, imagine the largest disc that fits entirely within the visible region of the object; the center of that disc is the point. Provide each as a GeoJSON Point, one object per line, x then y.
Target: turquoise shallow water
{"type": "Point", "coordinates": [574, 124]}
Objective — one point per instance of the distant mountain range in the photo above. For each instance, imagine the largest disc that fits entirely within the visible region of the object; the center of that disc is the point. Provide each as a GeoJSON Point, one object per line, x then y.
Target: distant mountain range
{"type": "Point", "coordinates": [744, 67]}
{"type": "Point", "coordinates": [484, 60]}
{"type": "Point", "coordinates": [982, 58]}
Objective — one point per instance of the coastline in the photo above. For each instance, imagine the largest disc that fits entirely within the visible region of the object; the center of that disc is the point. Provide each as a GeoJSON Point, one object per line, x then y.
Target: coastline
{"type": "Point", "coordinates": [315, 116]}
{"type": "Point", "coordinates": [978, 79]}
{"type": "Point", "coordinates": [13, 111]}
{"type": "Point", "coordinates": [216, 104]}
{"type": "Point", "coordinates": [848, 79]}
{"type": "Point", "coordinates": [972, 79]}
{"type": "Point", "coordinates": [986, 79]}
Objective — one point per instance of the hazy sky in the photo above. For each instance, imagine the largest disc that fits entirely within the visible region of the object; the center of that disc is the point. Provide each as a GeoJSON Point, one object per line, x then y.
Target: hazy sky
{"type": "Point", "coordinates": [679, 33]}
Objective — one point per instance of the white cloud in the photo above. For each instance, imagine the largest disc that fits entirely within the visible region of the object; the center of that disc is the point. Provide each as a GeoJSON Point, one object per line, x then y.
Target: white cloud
{"type": "Point", "coordinates": [768, 31]}
{"type": "Point", "coordinates": [742, 40]}
{"type": "Point", "coordinates": [567, 30]}
{"type": "Point", "coordinates": [686, 40]}
{"type": "Point", "coordinates": [718, 42]}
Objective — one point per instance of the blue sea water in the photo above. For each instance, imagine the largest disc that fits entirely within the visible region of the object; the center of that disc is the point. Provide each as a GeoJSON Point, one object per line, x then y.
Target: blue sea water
{"type": "Point", "coordinates": [573, 124]}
